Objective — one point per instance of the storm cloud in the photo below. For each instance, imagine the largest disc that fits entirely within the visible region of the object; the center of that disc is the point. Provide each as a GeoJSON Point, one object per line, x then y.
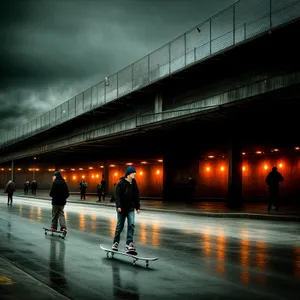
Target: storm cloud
{"type": "Point", "coordinates": [52, 50]}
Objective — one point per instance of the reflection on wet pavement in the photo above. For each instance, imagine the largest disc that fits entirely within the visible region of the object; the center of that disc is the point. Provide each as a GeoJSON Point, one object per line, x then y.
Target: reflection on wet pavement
{"type": "Point", "coordinates": [199, 257]}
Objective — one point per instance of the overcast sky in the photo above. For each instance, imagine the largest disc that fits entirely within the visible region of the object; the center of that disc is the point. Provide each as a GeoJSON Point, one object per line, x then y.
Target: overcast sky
{"type": "Point", "coordinates": [52, 50]}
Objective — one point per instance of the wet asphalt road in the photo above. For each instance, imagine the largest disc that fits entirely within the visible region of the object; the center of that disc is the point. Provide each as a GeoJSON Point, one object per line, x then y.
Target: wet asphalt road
{"type": "Point", "coordinates": [199, 257]}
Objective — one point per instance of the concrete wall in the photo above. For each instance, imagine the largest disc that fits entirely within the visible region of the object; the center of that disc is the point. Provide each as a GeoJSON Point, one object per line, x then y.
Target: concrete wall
{"type": "Point", "coordinates": [212, 181]}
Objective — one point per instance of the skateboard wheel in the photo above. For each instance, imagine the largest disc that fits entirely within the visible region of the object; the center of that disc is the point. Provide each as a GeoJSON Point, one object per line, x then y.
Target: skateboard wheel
{"type": "Point", "coordinates": [134, 261]}
{"type": "Point", "coordinates": [45, 233]}
{"type": "Point", "coordinates": [107, 255]}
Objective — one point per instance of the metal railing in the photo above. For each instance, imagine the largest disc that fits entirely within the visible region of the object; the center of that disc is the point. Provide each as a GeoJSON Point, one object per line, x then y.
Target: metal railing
{"type": "Point", "coordinates": [236, 24]}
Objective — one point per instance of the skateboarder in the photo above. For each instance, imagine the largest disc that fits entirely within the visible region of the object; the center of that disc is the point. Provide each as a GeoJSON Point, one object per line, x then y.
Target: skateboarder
{"type": "Point", "coordinates": [59, 193]}
{"type": "Point", "coordinates": [127, 200]}
{"type": "Point", "coordinates": [9, 189]}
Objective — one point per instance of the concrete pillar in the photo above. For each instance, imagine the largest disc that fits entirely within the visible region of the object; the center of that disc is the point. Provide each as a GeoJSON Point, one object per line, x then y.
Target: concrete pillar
{"type": "Point", "coordinates": [178, 167]}
{"type": "Point", "coordinates": [106, 176]}
{"type": "Point", "coordinates": [12, 170]}
{"type": "Point", "coordinates": [158, 106]}
{"type": "Point", "coordinates": [235, 186]}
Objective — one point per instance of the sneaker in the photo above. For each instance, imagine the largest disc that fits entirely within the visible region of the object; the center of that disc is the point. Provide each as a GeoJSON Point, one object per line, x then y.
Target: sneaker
{"type": "Point", "coordinates": [130, 247]}
{"type": "Point", "coordinates": [115, 246]}
{"type": "Point", "coordinates": [64, 229]}
{"type": "Point", "coordinates": [52, 229]}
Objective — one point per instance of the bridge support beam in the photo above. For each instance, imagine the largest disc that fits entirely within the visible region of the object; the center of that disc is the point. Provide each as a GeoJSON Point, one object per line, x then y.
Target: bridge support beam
{"type": "Point", "coordinates": [235, 183]}
{"type": "Point", "coordinates": [158, 106]}
{"type": "Point", "coordinates": [178, 167]}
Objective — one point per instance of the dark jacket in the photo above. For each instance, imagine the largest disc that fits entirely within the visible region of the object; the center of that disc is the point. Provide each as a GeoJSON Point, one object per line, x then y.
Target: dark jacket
{"type": "Point", "coordinates": [273, 179]}
{"type": "Point", "coordinates": [9, 188]}
{"type": "Point", "coordinates": [59, 192]}
{"type": "Point", "coordinates": [126, 195]}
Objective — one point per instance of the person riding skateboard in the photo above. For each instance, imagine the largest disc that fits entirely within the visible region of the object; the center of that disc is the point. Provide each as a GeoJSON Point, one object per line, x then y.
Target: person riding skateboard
{"type": "Point", "coordinates": [59, 193]}
{"type": "Point", "coordinates": [127, 199]}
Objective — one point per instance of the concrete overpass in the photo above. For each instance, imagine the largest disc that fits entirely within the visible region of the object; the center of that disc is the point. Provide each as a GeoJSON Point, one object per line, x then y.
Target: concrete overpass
{"type": "Point", "coordinates": [235, 72]}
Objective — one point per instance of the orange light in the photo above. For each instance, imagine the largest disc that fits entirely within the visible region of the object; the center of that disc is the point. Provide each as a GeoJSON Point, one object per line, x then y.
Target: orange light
{"type": "Point", "coordinates": [280, 165]}
{"type": "Point", "coordinates": [29, 169]}
{"type": "Point", "coordinates": [116, 174]}
{"type": "Point", "coordinates": [93, 176]}
{"type": "Point", "coordinates": [19, 169]}
{"type": "Point", "coordinates": [112, 166]}
{"type": "Point", "coordinates": [101, 166]}
{"type": "Point", "coordinates": [62, 170]}
{"type": "Point", "coordinates": [222, 168]}
{"type": "Point", "coordinates": [90, 168]}
{"type": "Point", "coordinates": [265, 167]}
{"type": "Point", "coordinates": [258, 152]}
{"type": "Point", "coordinates": [141, 173]}
{"type": "Point", "coordinates": [9, 169]}
{"type": "Point", "coordinates": [160, 160]}
{"type": "Point", "coordinates": [207, 169]}
{"type": "Point", "coordinates": [276, 150]}
{"type": "Point", "coordinates": [143, 162]}
{"type": "Point", "coordinates": [65, 178]}
{"type": "Point", "coordinates": [244, 153]}
{"type": "Point", "coordinates": [82, 176]}
{"type": "Point", "coordinates": [244, 168]}
{"type": "Point", "coordinates": [157, 172]}
{"type": "Point", "coordinates": [72, 169]}
{"type": "Point", "coordinates": [129, 164]}
{"type": "Point", "coordinates": [2, 169]}
{"type": "Point", "coordinates": [97, 176]}
{"type": "Point", "coordinates": [34, 158]}
{"type": "Point", "coordinates": [80, 169]}
{"type": "Point", "coordinates": [297, 148]}
{"type": "Point", "coordinates": [74, 177]}
{"type": "Point", "coordinates": [37, 169]}
{"type": "Point", "coordinates": [211, 156]}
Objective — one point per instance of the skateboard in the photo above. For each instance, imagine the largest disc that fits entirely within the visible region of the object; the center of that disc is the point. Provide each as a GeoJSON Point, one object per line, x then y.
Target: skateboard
{"type": "Point", "coordinates": [133, 255]}
{"type": "Point", "coordinates": [61, 234]}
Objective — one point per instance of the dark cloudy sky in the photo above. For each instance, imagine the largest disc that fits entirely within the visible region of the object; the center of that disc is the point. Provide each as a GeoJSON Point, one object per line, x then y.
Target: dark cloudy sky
{"type": "Point", "coordinates": [52, 50]}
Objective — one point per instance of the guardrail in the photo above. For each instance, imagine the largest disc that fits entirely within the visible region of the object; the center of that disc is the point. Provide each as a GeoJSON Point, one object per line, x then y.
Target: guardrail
{"type": "Point", "coordinates": [236, 24]}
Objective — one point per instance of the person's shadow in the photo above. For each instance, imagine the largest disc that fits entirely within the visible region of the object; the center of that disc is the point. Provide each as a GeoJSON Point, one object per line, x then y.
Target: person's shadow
{"type": "Point", "coordinates": [57, 264]}
{"type": "Point", "coordinates": [124, 291]}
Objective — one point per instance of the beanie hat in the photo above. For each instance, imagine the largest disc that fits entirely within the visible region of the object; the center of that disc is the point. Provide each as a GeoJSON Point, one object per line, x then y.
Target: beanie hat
{"type": "Point", "coordinates": [57, 174]}
{"type": "Point", "coordinates": [130, 170]}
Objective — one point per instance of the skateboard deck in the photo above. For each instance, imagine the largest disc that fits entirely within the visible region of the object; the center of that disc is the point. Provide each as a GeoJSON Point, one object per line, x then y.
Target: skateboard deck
{"type": "Point", "coordinates": [61, 234]}
{"type": "Point", "coordinates": [135, 257]}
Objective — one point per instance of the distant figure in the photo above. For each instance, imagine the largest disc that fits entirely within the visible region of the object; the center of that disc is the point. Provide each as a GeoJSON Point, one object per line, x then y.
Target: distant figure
{"type": "Point", "coordinates": [191, 189]}
{"type": "Point", "coordinates": [59, 193]}
{"type": "Point", "coordinates": [26, 187]}
{"type": "Point", "coordinates": [112, 199]}
{"type": "Point", "coordinates": [101, 189]}
{"type": "Point", "coordinates": [83, 187]}
{"type": "Point", "coordinates": [33, 187]}
{"type": "Point", "coordinates": [273, 179]}
{"type": "Point", "coordinates": [9, 189]}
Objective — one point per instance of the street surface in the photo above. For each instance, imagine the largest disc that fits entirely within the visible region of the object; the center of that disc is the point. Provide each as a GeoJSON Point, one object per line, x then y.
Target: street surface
{"type": "Point", "coordinates": [199, 257]}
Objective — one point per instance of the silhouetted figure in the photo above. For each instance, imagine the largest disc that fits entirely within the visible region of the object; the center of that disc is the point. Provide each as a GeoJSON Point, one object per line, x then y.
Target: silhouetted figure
{"type": "Point", "coordinates": [273, 179]}
{"type": "Point", "coordinates": [83, 187]}
{"type": "Point", "coordinates": [33, 187]}
{"type": "Point", "coordinates": [9, 189]}
{"type": "Point", "coordinates": [191, 189]}
{"type": "Point", "coordinates": [101, 189]}
{"type": "Point", "coordinates": [26, 187]}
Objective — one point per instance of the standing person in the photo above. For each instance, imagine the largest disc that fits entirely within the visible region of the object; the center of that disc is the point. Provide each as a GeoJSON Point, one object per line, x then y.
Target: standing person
{"type": "Point", "coordinates": [26, 187]}
{"type": "Point", "coordinates": [273, 179]}
{"type": "Point", "coordinates": [83, 187]}
{"type": "Point", "coordinates": [9, 189]}
{"type": "Point", "coordinates": [33, 187]}
{"type": "Point", "coordinates": [59, 193]}
{"type": "Point", "coordinates": [101, 189]}
{"type": "Point", "coordinates": [127, 200]}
